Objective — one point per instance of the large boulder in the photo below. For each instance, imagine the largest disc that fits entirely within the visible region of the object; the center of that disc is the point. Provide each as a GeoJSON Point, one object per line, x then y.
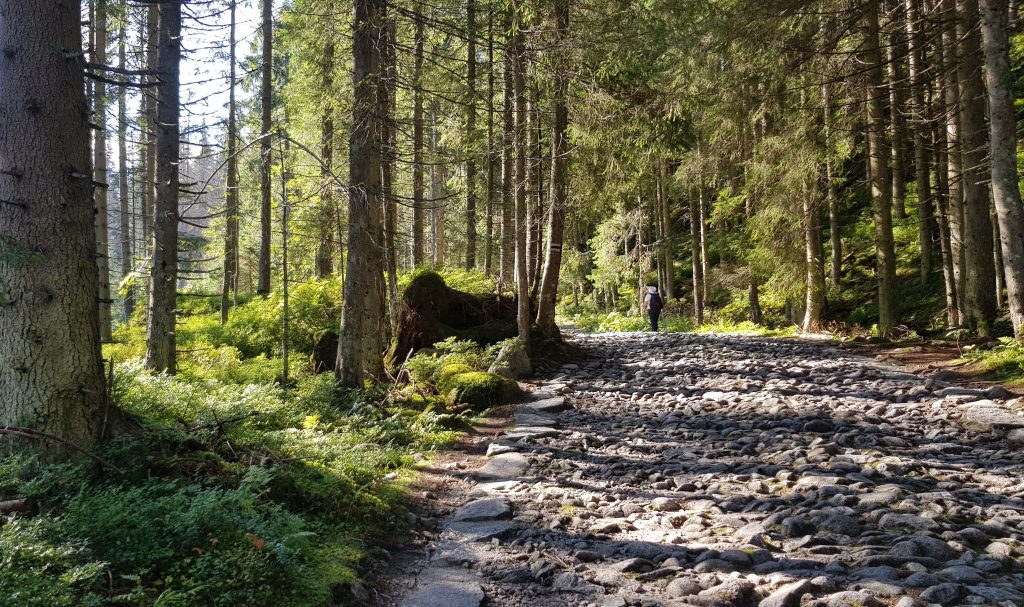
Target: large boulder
{"type": "Point", "coordinates": [512, 361]}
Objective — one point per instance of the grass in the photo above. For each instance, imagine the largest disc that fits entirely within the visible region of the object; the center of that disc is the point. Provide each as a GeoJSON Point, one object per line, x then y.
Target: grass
{"type": "Point", "coordinates": [1005, 361]}
{"type": "Point", "coordinates": [230, 489]}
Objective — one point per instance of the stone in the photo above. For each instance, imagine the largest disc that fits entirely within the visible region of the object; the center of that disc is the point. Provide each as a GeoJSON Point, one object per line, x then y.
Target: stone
{"type": "Point", "coordinates": [682, 587]}
{"type": "Point", "coordinates": [943, 594]}
{"type": "Point", "coordinates": [504, 466]}
{"type": "Point", "coordinates": [851, 598]}
{"type": "Point", "coordinates": [554, 404]}
{"type": "Point", "coordinates": [452, 554]}
{"type": "Point", "coordinates": [929, 547]}
{"type": "Point", "coordinates": [480, 532]}
{"type": "Point", "coordinates": [896, 521]}
{"type": "Point", "coordinates": [664, 504]}
{"type": "Point", "coordinates": [566, 581]}
{"type": "Point", "coordinates": [449, 587]}
{"type": "Point", "coordinates": [997, 594]}
{"type": "Point", "coordinates": [986, 416]}
{"type": "Point", "coordinates": [633, 565]}
{"type": "Point", "coordinates": [731, 593]}
{"type": "Point", "coordinates": [788, 595]}
{"type": "Point", "coordinates": [961, 574]}
{"type": "Point", "coordinates": [488, 509]}
{"type": "Point", "coordinates": [512, 361]}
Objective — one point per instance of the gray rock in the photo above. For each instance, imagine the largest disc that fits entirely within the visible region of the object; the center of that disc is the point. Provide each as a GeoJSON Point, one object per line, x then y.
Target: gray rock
{"type": "Point", "coordinates": [787, 596]}
{"type": "Point", "coordinates": [488, 509]}
{"type": "Point", "coordinates": [512, 362]}
{"type": "Point", "coordinates": [504, 466]}
{"type": "Point", "coordinates": [922, 579]}
{"type": "Point", "coordinates": [449, 587]}
{"type": "Point", "coordinates": [480, 532]}
{"type": "Point", "coordinates": [682, 587]}
{"type": "Point", "coordinates": [997, 594]}
{"type": "Point", "coordinates": [985, 416]}
{"type": "Point", "coordinates": [929, 547]}
{"type": "Point", "coordinates": [895, 521]}
{"type": "Point", "coordinates": [567, 581]}
{"type": "Point", "coordinates": [731, 593]}
{"type": "Point", "coordinates": [943, 594]}
{"type": "Point", "coordinates": [962, 574]}
{"type": "Point", "coordinates": [851, 598]}
{"type": "Point", "coordinates": [633, 565]}
{"type": "Point", "coordinates": [547, 405]}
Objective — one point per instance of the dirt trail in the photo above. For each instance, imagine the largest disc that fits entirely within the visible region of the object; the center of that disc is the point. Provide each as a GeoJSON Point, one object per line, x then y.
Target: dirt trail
{"type": "Point", "coordinates": [725, 471]}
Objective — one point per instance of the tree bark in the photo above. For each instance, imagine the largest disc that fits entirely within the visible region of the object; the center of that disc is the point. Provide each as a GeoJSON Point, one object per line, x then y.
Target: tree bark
{"type": "Point", "coordinates": [1002, 122]}
{"type": "Point", "coordinates": [897, 52]}
{"type": "Point", "coordinates": [161, 354]}
{"type": "Point", "coordinates": [698, 263]}
{"type": "Point", "coordinates": [438, 190]}
{"type": "Point", "coordinates": [954, 159]}
{"type": "Point", "coordinates": [229, 286]}
{"type": "Point", "coordinates": [558, 198]}
{"type": "Point", "coordinates": [266, 126]}
{"type": "Point", "coordinates": [881, 181]}
{"type": "Point", "coordinates": [491, 190]}
{"type": "Point", "coordinates": [417, 144]}
{"type": "Point", "coordinates": [361, 344]}
{"type": "Point", "coordinates": [325, 239]}
{"type": "Point", "coordinates": [123, 189]}
{"type": "Point", "coordinates": [939, 144]}
{"type": "Point", "coordinates": [387, 92]}
{"type": "Point", "coordinates": [507, 142]}
{"type": "Point", "coordinates": [814, 255]}
{"type": "Point", "coordinates": [832, 200]}
{"type": "Point", "coordinates": [926, 218]}
{"type": "Point", "coordinates": [50, 365]}
{"type": "Point", "coordinates": [980, 282]}
{"type": "Point", "coordinates": [150, 95]}
{"type": "Point", "coordinates": [101, 189]}
{"type": "Point", "coordinates": [522, 179]}
{"type": "Point", "coordinates": [471, 157]}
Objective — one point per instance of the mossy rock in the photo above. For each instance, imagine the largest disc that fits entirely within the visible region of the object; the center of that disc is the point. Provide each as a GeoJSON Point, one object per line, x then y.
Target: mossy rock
{"type": "Point", "coordinates": [450, 370]}
{"type": "Point", "coordinates": [479, 390]}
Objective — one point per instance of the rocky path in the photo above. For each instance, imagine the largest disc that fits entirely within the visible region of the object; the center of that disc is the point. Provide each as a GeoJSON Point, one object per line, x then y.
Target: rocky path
{"type": "Point", "coordinates": [717, 471]}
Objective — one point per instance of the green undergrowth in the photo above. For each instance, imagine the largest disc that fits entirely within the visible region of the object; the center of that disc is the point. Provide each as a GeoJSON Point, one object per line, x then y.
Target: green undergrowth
{"type": "Point", "coordinates": [456, 373]}
{"type": "Point", "coordinates": [1004, 361]}
{"type": "Point", "coordinates": [230, 488]}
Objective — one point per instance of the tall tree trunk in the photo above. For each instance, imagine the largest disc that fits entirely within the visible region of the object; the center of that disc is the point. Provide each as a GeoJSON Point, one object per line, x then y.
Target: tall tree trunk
{"type": "Point", "coordinates": [881, 184]}
{"type": "Point", "coordinates": [102, 189]}
{"type": "Point", "coordinates": [558, 198]}
{"type": "Point", "coordinates": [535, 198]}
{"type": "Point", "coordinates": [814, 258]}
{"type": "Point", "coordinates": [361, 344]}
{"type": "Point", "coordinates": [229, 287]}
{"type": "Point", "coordinates": [1002, 122]}
{"type": "Point", "coordinates": [471, 157]}
{"type": "Point", "coordinates": [150, 95]}
{"type": "Point", "coordinates": [387, 91]}
{"type": "Point", "coordinates": [695, 254]}
{"type": "Point", "coordinates": [161, 355]}
{"type": "Point", "coordinates": [50, 366]}
{"type": "Point", "coordinates": [997, 255]}
{"type": "Point", "coordinates": [266, 126]}
{"type": "Point", "coordinates": [417, 144]}
{"type": "Point", "coordinates": [926, 219]}
{"type": "Point", "coordinates": [954, 160]}
{"type": "Point", "coordinates": [897, 52]}
{"type": "Point", "coordinates": [491, 190]}
{"type": "Point", "coordinates": [507, 164]}
{"type": "Point", "coordinates": [940, 145]}
{"type": "Point", "coordinates": [667, 250]}
{"type": "Point", "coordinates": [980, 280]}
{"type": "Point", "coordinates": [522, 178]}
{"type": "Point", "coordinates": [834, 229]}
{"type": "Point", "coordinates": [326, 212]}
{"type": "Point", "coordinates": [438, 189]}
{"type": "Point", "coordinates": [123, 189]}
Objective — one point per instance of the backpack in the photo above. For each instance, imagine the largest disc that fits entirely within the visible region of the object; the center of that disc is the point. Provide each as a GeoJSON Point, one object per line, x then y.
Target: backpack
{"type": "Point", "coordinates": [655, 304]}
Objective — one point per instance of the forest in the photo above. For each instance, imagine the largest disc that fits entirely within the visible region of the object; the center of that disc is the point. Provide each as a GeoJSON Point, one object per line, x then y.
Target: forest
{"type": "Point", "coordinates": [262, 260]}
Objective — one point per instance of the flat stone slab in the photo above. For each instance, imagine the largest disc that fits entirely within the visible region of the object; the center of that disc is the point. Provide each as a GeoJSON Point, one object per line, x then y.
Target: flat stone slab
{"type": "Point", "coordinates": [487, 509]}
{"type": "Point", "coordinates": [480, 532]}
{"type": "Point", "coordinates": [446, 587]}
{"type": "Point", "coordinates": [528, 432]}
{"type": "Point", "coordinates": [453, 554]}
{"type": "Point", "coordinates": [503, 467]}
{"type": "Point", "coordinates": [527, 418]}
{"type": "Point", "coordinates": [987, 415]}
{"type": "Point", "coordinates": [547, 405]}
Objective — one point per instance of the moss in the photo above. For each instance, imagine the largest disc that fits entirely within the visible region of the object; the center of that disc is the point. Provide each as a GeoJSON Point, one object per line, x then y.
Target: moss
{"type": "Point", "coordinates": [478, 389]}
{"type": "Point", "coordinates": [449, 371]}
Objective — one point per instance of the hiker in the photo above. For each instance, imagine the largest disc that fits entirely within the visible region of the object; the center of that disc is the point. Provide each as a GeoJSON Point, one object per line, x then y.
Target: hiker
{"type": "Point", "coordinates": [653, 305]}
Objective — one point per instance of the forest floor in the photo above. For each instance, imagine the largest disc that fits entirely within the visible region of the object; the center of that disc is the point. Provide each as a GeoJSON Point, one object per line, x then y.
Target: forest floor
{"type": "Point", "coordinates": [727, 471]}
